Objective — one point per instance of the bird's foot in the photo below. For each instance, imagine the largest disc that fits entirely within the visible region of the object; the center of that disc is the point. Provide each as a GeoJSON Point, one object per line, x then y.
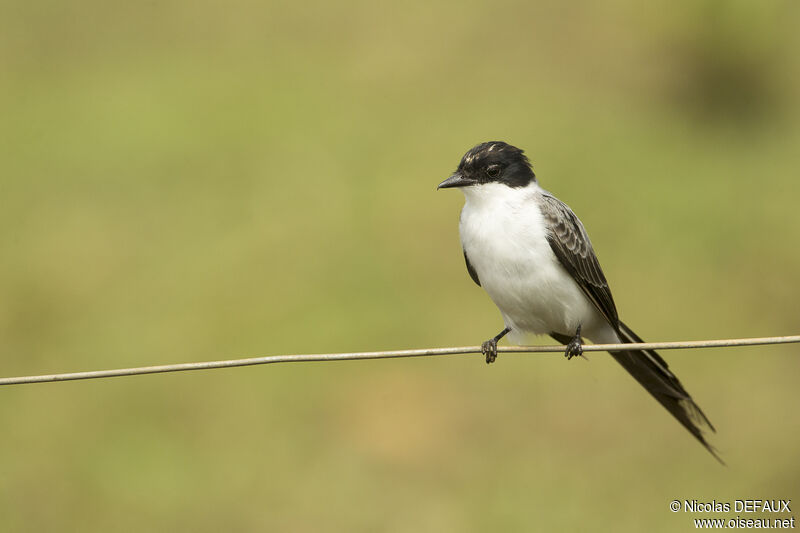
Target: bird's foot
{"type": "Point", "coordinates": [575, 346]}
{"type": "Point", "coordinates": [489, 349]}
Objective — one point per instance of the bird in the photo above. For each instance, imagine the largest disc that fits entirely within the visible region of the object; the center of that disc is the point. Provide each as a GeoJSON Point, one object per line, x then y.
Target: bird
{"type": "Point", "coordinates": [532, 255]}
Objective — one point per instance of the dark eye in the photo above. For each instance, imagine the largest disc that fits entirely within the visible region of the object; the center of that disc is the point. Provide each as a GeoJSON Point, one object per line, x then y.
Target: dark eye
{"type": "Point", "coordinates": [493, 170]}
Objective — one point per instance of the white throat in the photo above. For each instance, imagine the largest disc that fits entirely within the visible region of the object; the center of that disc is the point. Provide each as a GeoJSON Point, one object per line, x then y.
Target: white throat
{"type": "Point", "coordinates": [505, 237]}
{"type": "Point", "coordinates": [492, 195]}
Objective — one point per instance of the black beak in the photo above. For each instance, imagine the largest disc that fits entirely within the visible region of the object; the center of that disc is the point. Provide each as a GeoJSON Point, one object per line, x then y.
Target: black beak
{"type": "Point", "coordinates": [456, 180]}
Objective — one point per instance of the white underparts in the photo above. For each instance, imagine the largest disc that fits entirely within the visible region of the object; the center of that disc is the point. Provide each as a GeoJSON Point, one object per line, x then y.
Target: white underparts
{"type": "Point", "coordinates": [505, 238]}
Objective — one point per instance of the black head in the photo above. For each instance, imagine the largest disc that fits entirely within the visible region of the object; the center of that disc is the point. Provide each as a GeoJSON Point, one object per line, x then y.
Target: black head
{"type": "Point", "coordinates": [492, 162]}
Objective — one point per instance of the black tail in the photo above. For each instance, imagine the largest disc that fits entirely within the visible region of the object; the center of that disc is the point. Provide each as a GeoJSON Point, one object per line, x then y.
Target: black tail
{"type": "Point", "coordinates": [652, 372]}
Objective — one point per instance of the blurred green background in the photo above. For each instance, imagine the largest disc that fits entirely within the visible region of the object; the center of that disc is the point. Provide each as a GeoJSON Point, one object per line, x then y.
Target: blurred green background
{"type": "Point", "coordinates": [187, 181]}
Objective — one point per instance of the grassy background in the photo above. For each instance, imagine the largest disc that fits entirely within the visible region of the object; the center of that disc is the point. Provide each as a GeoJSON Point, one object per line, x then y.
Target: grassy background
{"type": "Point", "coordinates": [184, 181]}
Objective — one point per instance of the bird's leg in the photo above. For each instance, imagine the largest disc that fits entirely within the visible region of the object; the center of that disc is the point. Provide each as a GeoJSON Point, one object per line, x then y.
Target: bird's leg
{"type": "Point", "coordinates": [489, 348]}
{"type": "Point", "coordinates": [575, 346]}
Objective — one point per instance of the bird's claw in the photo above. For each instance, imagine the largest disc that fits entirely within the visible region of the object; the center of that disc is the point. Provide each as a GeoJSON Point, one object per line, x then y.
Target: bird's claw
{"type": "Point", "coordinates": [489, 349]}
{"type": "Point", "coordinates": [575, 346]}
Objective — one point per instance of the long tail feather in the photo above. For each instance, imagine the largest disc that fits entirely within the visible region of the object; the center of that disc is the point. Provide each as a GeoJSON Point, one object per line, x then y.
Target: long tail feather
{"type": "Point", "coordinates": [652, 372]}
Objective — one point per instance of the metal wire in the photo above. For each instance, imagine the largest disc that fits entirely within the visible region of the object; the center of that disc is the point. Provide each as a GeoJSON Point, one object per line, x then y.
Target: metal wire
{"type": "Point", "coordinates": [208, 365]}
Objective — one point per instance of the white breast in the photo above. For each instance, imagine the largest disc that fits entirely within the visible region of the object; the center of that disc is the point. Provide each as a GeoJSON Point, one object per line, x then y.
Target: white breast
{"type": "Point", "coordinates": [504, 236]}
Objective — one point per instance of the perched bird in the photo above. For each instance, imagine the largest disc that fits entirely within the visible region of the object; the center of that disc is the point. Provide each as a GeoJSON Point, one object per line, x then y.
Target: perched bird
{"type": "Point", "coordinates": [533, 257]}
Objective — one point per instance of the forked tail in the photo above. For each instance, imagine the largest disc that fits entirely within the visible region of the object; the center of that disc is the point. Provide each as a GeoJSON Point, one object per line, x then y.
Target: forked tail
{"type": "Point", "coordinates": [652, 372]}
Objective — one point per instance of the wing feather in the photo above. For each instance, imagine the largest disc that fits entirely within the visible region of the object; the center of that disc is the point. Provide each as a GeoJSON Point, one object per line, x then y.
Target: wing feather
{"type": "Point", "coordinates": [570, 243]}
{"type": "Point", "coordinates": [472, 272]}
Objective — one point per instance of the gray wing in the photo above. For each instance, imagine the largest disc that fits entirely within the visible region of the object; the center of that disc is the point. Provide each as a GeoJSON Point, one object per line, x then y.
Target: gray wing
{"type": "Point", "coordinates": [570, 243]}
{"type": "Point", "coordinates": [472, 273]}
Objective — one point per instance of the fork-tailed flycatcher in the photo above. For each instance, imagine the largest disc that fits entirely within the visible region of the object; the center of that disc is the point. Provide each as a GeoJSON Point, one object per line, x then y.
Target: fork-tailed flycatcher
{"type": "Point", "coordinates": [531, 253]}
